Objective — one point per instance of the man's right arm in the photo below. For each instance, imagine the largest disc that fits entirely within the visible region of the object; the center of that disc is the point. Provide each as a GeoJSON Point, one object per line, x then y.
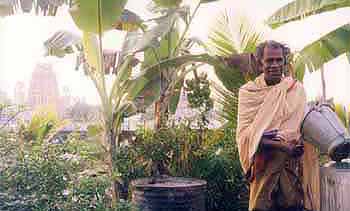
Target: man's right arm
{"type": "Point", "coordinates": [267, 143]}
{"type": "Point", "coordinates": [288, 147]}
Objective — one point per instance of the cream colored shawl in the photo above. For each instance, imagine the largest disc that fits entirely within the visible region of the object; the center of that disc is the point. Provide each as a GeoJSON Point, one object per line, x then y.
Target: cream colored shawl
{"type": "Point", "coordinates": [262, 108]}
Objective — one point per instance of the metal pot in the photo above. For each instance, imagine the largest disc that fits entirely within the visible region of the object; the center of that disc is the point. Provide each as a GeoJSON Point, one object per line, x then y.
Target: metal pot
{"type": "Point", "coordinates": [322, 128]}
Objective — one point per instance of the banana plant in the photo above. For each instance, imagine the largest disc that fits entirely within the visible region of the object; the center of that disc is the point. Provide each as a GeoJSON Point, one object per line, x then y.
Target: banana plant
{"type": "Point", "coordinates": [165, 59]}
{"type": "Point", "coordinates": [221, 45]}
{"type": "Point", "coordinates": [93, 18]}
{"type": "Point", "coordinates": [326, 48]}
{"type": "Point", "coordinates": [316, 54]}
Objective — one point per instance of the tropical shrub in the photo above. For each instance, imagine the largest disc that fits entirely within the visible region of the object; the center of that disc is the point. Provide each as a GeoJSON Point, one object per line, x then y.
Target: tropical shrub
{"type": "Point", "coordinates": [212, 156]}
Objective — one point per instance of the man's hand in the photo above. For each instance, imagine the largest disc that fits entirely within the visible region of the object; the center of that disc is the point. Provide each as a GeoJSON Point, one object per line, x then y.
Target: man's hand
{"type": "Point", "coordinates": [293, 148]}
{"type": "Point", "coordinates": [275, 139]}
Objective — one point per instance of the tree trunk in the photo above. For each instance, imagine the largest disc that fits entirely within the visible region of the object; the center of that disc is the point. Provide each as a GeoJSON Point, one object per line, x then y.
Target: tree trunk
{"type": "Point", "coordinates": [157, 115]}
{"type": "Point", "coordinates": [162, 105]}
{"type": "Point", "coordinates": [161, 118]}
{"type": "Point", "coordinates": [111, 140]}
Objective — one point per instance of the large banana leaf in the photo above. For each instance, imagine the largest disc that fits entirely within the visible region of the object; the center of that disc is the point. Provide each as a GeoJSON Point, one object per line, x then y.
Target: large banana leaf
{"type": "Point", "coordinates": [167, 3]}
{"type": "Point", "coordinates": [86, 14]}
{"type": "Point", "coordinates": [7, 7]}
{"type": "Point", "coordinates": [167, 43]}
{"type": "Point", "coordinates": [147, 84]}
{"type": "Point", "coordinates": [299, 69]}
{"type": "Point", "coordinates": [61, 43]}
{"type": "Point", "coordinates": [175, 3]}
{"type": "Point", "coordinates": [324, 50]}
{"type": "Point", "coordinates": [207, 1]}
{"type": "Point", "coordinates": [144, 90]}
{"type": "Point", "coordinates": [92, 50]}
{"type": "Point", "coordinates": [175, 96]}
{"type": "Point", "coordinates": [149, 81]}
{"type": "Point", "coordinates": [299, 9]}
{"type": "Point", "coordinates": [44, 7]}
{"type": "Point", "coordinates": [136, 42]}
{"type": "Point", "coordinates": [26, 5]}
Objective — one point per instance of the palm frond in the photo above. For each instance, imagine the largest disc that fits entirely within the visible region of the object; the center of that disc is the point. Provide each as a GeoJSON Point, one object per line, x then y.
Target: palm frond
{"type": "Point", "coordinates": [221, 38]}
{"type": "Point", "coordinates": [230, 36]}
{"type": "Point", "coordinates": [228, 101]}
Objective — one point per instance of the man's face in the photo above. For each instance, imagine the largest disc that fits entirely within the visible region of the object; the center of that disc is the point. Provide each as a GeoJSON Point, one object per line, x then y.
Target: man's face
{"type": "Point", "coordinates": [272, 65]}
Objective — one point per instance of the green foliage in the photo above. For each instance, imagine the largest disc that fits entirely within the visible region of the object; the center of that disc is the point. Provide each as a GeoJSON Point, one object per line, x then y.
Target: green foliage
{"type": "Point", "coordinates": [126, 206]}
{"type": "Point", "coordinates": [89, 194]}
{"type": "Point", "coordinates": [43, 124]}
{"type": "Point", "coordinates": [218, 163]}
{"type": "Point", "coordinates": [36, 181]}
{"type": "Point", "coordinates": [155, 149]}
{"type": "Point", "coordinates": [53, 177]}
{"type": "Point", "coordinates": [128, 167]}
{"type": "Point", "coordinates": [198, 92]}
{"type": "Point", "coordinates": [210, 155]}
{"type": "Point", "coordinates": [198, 96]}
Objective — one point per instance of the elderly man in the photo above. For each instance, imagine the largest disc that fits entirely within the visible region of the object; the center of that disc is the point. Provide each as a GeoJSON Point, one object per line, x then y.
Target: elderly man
{"type": "Point", "coordinates": [270, 112]}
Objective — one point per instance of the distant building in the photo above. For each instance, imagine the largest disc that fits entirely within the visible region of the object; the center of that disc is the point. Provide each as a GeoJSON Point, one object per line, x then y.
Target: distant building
{"type": "Point", "coordinates": [43, 87]}
{"type": "Point", "coordinates": [65, 102]}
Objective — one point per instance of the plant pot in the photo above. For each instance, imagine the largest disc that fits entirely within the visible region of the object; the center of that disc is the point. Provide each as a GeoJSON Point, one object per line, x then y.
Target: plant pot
{"type": "Point", "coordinates": [169, 194]}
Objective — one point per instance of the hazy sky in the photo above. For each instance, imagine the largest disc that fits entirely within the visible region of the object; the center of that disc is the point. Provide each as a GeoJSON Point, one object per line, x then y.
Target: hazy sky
{"type": "Point", "coordinates": [22, 37]}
